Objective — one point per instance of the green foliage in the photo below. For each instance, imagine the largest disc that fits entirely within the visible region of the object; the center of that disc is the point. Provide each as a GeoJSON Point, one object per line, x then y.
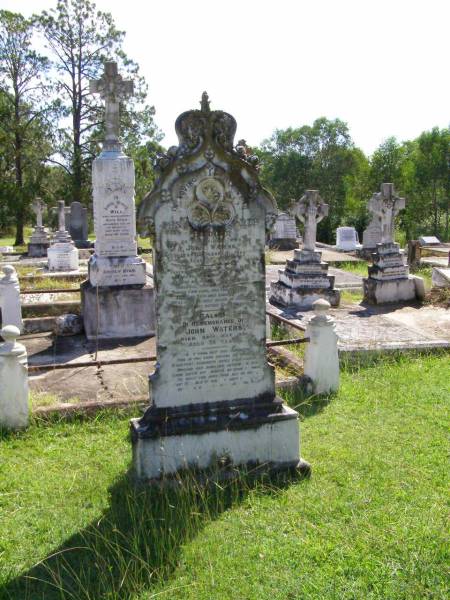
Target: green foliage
{"type": "Point", "coordinates": [370, 523]}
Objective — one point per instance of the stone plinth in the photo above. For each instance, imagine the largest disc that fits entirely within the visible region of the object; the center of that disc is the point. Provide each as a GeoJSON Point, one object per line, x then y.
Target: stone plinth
{"type": "Point", "coordinates": [389, 279]}
{"type": "Point", "coordinates": [13, 380]}
{"type": "Point", "coordinates": [10, 308]}
{"type": "Point", "coordinates": [105, 271]}
{"type": "Point", "coordinates": [63, 257]}
{"type": "Point", "coordinates": [321, 362]}
{"type": "Point", "coordinates": [303, 281]}
{"type": "Point", "coordinates": [117, 312]}
{"type": "Point", "coordinates": [213, 391]}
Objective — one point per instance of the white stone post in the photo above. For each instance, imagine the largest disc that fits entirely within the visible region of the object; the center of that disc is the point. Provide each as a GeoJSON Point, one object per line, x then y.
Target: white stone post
{"type": "Point", "coordinates": [10, 298]}
{"type": "Point", "coordinates": [321, 357]}
{"type": "Point", "coordinates": [13, 380]}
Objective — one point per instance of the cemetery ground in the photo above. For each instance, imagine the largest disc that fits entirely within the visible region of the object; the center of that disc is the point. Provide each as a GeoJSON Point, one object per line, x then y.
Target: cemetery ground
{"type": "Point", "coordinates": [369, 523]}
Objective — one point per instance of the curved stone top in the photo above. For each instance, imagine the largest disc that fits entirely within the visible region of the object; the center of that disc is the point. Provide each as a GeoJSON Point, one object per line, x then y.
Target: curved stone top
{"type": "Point", "coordinates": [10, 333]}
{"type": "Point", "coordinates": [206, 142]}
{"type": "Point", "coordinates": [10, 273]}
{"type": "Point", "coordinates": [11, 347]}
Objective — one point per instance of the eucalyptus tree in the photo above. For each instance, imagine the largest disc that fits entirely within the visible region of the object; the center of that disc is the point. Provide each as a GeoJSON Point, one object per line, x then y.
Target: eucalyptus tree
{"type": "Point", "coordinates": [25, 123]}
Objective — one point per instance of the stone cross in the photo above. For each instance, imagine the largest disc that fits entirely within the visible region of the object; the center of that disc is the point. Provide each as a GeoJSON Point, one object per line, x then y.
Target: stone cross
{"type": "Point", "coordinates": [112, 89]}
{"type": "Point", "coordinates": [386, 205]}
{"type": "Point", "coordinates": [38, 207]}
{"type": "Point", "coordinates": [310, 209]}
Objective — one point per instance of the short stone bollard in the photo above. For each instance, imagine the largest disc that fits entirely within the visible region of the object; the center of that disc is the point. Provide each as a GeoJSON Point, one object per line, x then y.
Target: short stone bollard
{"type": "Point", "coordinates": [321, 362]}
{"type": "Point", "coordinates": [13, 380]}
{"type": "Point", "coordinates": [10, 298]}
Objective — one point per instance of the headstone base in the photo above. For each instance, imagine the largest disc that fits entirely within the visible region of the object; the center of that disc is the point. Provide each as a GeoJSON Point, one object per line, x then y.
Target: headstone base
{"type": "Point", "coordinates": [440, 277]}
{"type": "Point", "coordinates": [123, 311]}
{"type": "Point", "coordinates": [63, 257]}
{"type": "Point", "coordinates": [302, 298]}
{"type": "Point", "coordinates": [283, 244]}
{"type": "Point", "coordinates": [391, 290]}
{"type": "Point", "coordinates": [38, 250]}
{"type": "Point", "coordinates": [115, 271]}
{"type": "Point", "coordinates": [165, 446]}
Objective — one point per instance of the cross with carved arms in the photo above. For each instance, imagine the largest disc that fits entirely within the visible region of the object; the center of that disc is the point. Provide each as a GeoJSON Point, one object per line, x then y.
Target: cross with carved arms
{"type": "Point", "coordinates": [112, 89]}
{"type": "Point", "coordinates": [310, 209]}
{"type": "Point", "coordinates": [386, 205]}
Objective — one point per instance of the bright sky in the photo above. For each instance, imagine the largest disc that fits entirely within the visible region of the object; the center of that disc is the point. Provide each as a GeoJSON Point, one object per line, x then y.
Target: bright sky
{"type": "Point", "coordinates": [380, 65]}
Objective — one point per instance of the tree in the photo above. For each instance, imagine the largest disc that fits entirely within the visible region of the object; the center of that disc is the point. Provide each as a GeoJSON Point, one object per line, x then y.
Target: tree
{"type": "Point", "coordinates": [25, 131]}
{"type": "Point", "coordinates": [311, 157]}
{"type": "Point", "coordinates": [80, 40]}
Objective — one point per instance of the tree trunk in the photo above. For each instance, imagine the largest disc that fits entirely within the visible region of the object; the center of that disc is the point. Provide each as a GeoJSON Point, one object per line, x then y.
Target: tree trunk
{"type": "Point", "coordinates": [20, 217]}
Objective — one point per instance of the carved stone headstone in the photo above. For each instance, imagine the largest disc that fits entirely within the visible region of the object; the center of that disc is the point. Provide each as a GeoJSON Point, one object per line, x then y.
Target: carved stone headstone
{"type": "Point", "coordinates": [389, 279]}
{"type": "Point", "coordinates": [39, 240]}
{"type": "Point", "coordinates": [10, 307]}
{"type": "Point", "coordinates": [305, 279]}
{"type": "Point", "coordinates": [213, 392]}
{"type": "Point", "coordinates": [62, 254]}
{"type": "Point", "coordinates": [284, 233]}
{"type": "Point", "coordinates": [115, 300]}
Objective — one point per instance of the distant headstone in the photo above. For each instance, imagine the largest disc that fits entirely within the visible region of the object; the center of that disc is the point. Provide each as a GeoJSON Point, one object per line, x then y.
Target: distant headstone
{"type": "Point", "coordinates": [347, 239]}
{"type": "Point", "coordinates": [389, 279]}
{"type": "Point", "coordinates": [284, 233]}
{"type": "Point", "coordinates": [78, 225]}
{"type": "Point", "coordinates": [305, 279]}
{"type": "Point", "coordinates": [429, 240]}
{"type": "Point", "coordinates": [10, 308]}
{"type": "Point", "coordinates": [6, 249]}
{"type": "Point", "coordinates": [213, 391]}
{"type": "Point", "coordinates": [62, 254]}
{"type": "Point", "coordinates": [39, 240]}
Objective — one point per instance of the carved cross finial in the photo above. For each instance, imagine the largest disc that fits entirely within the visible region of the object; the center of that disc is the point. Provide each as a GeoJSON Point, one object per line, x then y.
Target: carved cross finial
{"type": "Point", "coordinates": [310, 209]}
{"type": "Point", "coordinates": [112, 89]}
{"type": "Point", "coordinates": [204, 104]}
{"type": "Point", "coordinates": [386, 205]}
{"type": "Point", "coordinates": [38, 207]}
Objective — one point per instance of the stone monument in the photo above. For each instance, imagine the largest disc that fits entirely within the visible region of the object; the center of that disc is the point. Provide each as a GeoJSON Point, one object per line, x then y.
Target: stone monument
{"type": "Point", "coordinates": [62, 254]}
{"type": "Point", "coordinates": [371, 235]}
{"type": "Point", "coordinates": [347, 239]}
{"type": "Point", "coordinates": [116, 302]}
{"type": "Point", "coordinates": [213, 396]}
{"type": "Point", "coordinates": [13, 380]}
{"type": "Point", "coordinates": [39, 240]}
{"type": "Point", "coordinates": [305, 279]}
{"type": "Point", "coordinates": [77, 224]}
{"type": "Point", "coordinates": [389, 279]}
{"type": "Point", "coordinates": [284, 233]}
{"type": "Point", "coordinates": [10, 307]}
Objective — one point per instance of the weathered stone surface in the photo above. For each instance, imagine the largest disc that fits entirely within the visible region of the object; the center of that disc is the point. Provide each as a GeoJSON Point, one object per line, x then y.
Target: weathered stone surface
{"type": "Point", "coordinates": [39, 240]}
{"type": "Point", "coordinates": [284, 233]}
{"type": "Point", "coordinates": [10, 308]}
{"type": "Point", "coordinates": [389, 290]}
{"type": "Point", "coordinates": [13, 380]}
{"type": "Point", "coordinates": [213, 392]}
{"type": "Point", "coordinates": [440, 277]}
{"type": "Point", "coordinates": [117, 312]}
{"type": "Point", "coordinates": [113, 271]}
{"type": "Point", "coordinates": [63, 257]}
{"type": "Point", "coordinates": [372, 234]}
{"type": "Point", "coordinates": [429, 240]}
{"type": "Point", "coordinates": [321, 361]}
{"type": "Point", "coordinates": [347, 239]}
{"type": "Point", "coordinates": [68, 325]}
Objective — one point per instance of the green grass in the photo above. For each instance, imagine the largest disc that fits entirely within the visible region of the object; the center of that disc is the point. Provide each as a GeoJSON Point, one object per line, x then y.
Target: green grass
{"type": "Point", "coordinates": [358, 268]}
{"type": "Point", "coordinates": [369, 524]}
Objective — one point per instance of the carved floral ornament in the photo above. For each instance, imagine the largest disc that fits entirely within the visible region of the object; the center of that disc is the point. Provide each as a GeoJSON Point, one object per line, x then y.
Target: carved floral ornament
{"type": "Point", "coordinates": [210, 207]}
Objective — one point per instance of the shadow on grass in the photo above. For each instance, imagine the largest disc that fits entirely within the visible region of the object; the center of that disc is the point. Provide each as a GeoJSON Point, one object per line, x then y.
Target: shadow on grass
{"type": "Point", "coordinates": [136, 542]}
{"type": "Point", "coordinates": [306, 404]}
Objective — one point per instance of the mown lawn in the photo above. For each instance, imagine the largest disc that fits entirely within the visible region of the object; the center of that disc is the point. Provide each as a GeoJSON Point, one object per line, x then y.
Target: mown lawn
{"type": "Point", "coordinates": [370, 523]}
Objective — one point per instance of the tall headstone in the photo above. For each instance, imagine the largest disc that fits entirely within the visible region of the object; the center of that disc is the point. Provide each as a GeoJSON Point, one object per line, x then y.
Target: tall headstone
{"type": "Point", "coordinates": [213, 392]}
{"type": "Point", "coordinates": [62, 254]}
{"type": "Point", "coordinates": [372, 234]}
{"type": "Point", "coordinates": [10, 307]}
{"type": "Point", "coordinates": [284, 233]}
{"type": "Point", "coordinates": [305, 279]}
{"type": "Point", "coordinates": [39, 240]}
{"type": "Point", "coordinates": [389, 279]}
{"type": "Point", "coordinates": [116, 302]}
{"type": "Point", "coordinates": [78, 225]}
